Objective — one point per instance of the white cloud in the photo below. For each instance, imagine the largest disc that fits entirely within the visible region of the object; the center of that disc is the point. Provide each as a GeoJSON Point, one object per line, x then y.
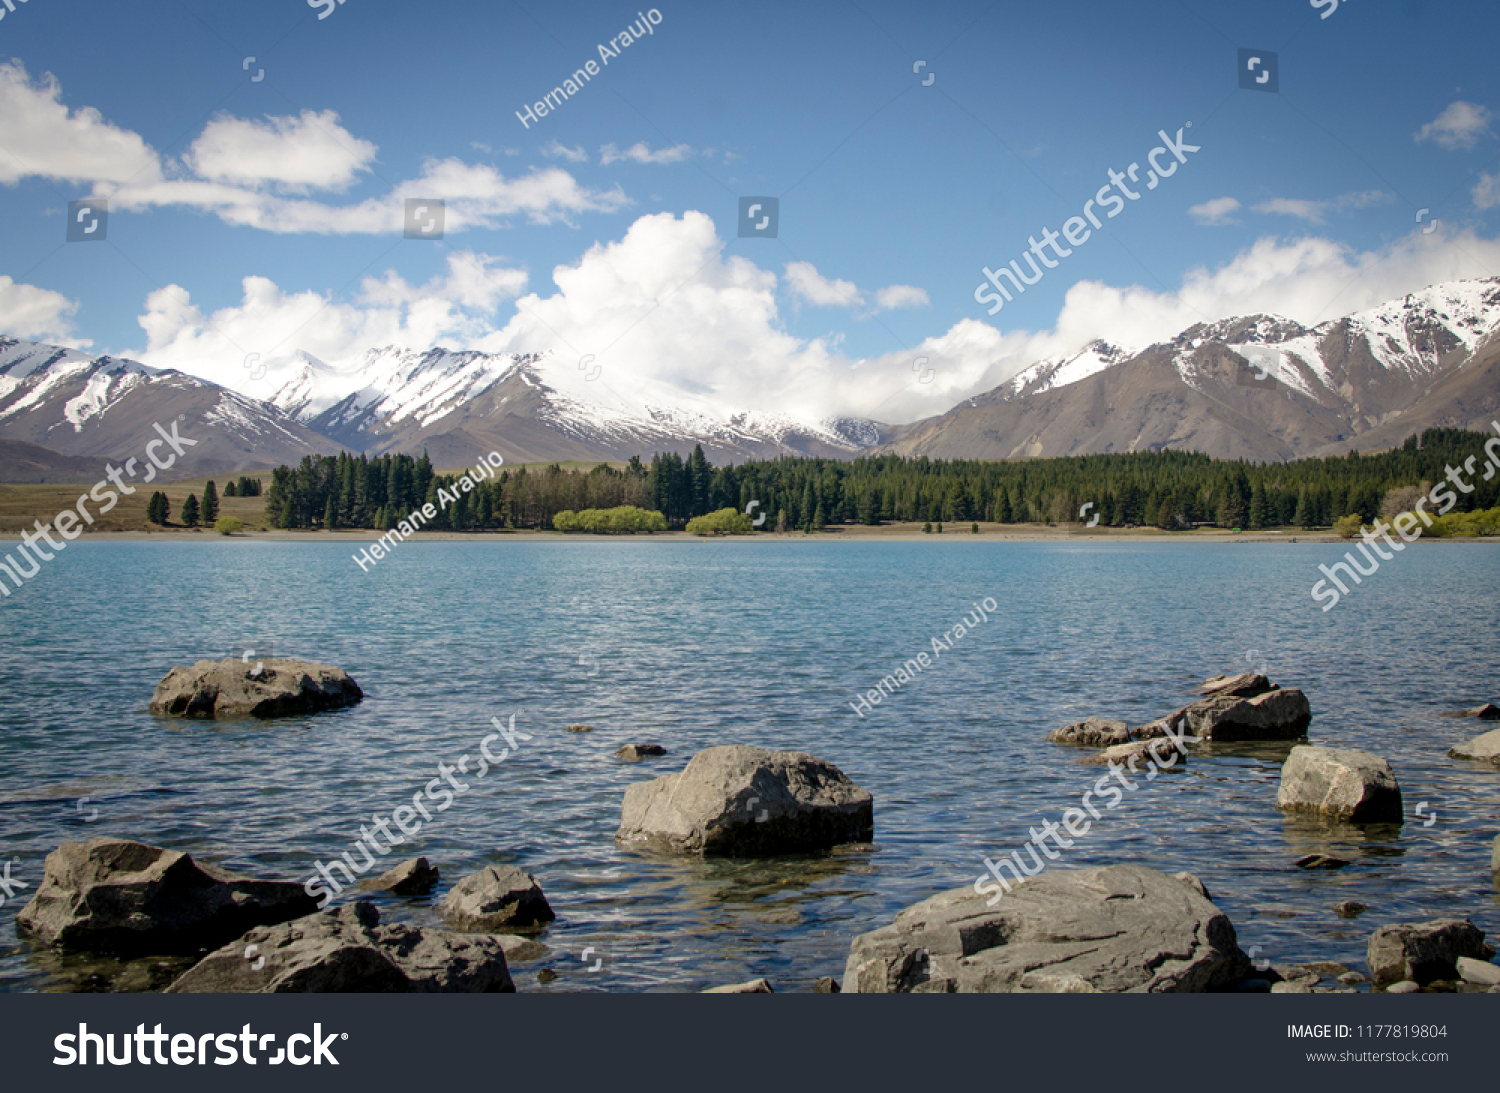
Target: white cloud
{"type": "Point", "coordinates": [663, 305]}
{"type": "Point", "coordinates": [38, 314]}
{"type": "Point", "coordinates": [251, 173]}
{"type": "Point", "coordinates": [805, 282]}
{"type": "Point", "coordinates": [557, 150]}
{"type": "Point", "coordinates": [894, 296]}
{"type": "Point", "coordinates": [1216, 212]}
{"type": "Point", "coordinates": [1487, 191]}
{"type": "Point", "coordinates": [1459, 126]}
{"type": "Point", "coordinates": [453, 308]}
{"type": "Point", "coordinates": [312, 151]}
{"type": "Point", "coordinates": [1311, 211]}
{"type": "Point", "coordinates": [639, 153]}
{"type": "Point", "coordinates": [40, 137]}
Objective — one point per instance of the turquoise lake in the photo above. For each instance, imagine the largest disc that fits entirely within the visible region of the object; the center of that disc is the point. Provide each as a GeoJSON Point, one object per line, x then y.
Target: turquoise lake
{"type": "Point", "coordinates": [689, 645]}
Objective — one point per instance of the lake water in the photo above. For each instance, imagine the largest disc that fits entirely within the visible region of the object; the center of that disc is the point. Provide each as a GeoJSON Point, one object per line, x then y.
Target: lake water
{"type": "Point", "coordinates": [690, 645]}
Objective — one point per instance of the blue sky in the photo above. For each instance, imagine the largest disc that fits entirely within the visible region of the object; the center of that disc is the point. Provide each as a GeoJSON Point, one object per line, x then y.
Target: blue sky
{"type": "Point", "coordinates": [893, 194]}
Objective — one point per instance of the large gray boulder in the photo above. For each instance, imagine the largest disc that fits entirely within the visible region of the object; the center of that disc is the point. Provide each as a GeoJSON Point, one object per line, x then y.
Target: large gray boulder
{"type": "Point", "coordinates": [347, 950]}
{"type": "Point", "coordinates": [1495, 856]}
{"type": "Point", "coordinates": [413, 877]}
{"type": "Point", "coordinates": [1272, 715]}
{"type": "Point", "coordinates": [1482, 749]}
{"type": "Point", "coordinates": [1425, 951]}
{"type": "Point", "coordinates": [1092, 732]}
{"type": "Point", "coordinates": [1244, 685]}
{"type": "Point", "coordinates": [1112, 929]}
{"type": "Point", "coordinates": [498, 897]}
{"type": "Point", "coordinates": [112, 895]}
{"type": "Point", "coordinates": [278, 687]}
{"type": "Point", "coordinates": [1340, 784]}
{"type": "Point", "coordinates": [742, 801]}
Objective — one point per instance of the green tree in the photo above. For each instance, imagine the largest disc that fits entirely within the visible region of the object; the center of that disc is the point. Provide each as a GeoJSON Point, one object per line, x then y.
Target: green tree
{"type": "Point", "coordinates": [975, 529]}
{"type": "Point", "coordinates": [209, 509]}
{"type": "Point", "coordinates": [331, 513]}
{"type": "Point", "coordinates": [190, 512]}
{"type": "Point", "coordinates": [1259, 513]}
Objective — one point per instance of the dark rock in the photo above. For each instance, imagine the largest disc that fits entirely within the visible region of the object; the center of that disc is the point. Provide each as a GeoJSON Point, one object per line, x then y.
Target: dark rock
{"type": "Point", "coordinates": [1340, 784]}
{"type": "Point", "coordinates": [1488, 712]}
{"type": "Point", "coordinates": [1271, 715]}
{"type": "Point", "coordinates": [1482, 749]}
{"type": "Point", "coordinates": [1350, 908]}
{"type": "Point", "coordinates": [412, 877]}
{"type": "Point", "coordinates": [1321, 861]}
{"type": "Point", "coordinates": [1113, 929]}
{"type": "Point", "coordinates": [1424, 952]}
{"type": "Point", "coordinates": [634, 753]}
{"type": "Point", "coordinates": [743, 801]}
{"type": "Point", "coordinates": [347, 950]}
{"type": "Point", "coordinates": [498, 897]}
{"type": "Point", "coordinates": [112, 895]}
{"type": "Point", "coordinates": [1093, 732]}
{"type": "Point", "coordinates": [519, 949]}
{"type": "Point", "coordinates": [279, 687]}
{"type": "Point", "coordinates": [546, 975]}
{"type": "Point", "coordinates": [826, 985]}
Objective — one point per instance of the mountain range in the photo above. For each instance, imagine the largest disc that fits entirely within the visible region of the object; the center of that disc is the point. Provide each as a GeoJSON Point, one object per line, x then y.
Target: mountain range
{"type": "Point", "coordinates": [1257, 387]}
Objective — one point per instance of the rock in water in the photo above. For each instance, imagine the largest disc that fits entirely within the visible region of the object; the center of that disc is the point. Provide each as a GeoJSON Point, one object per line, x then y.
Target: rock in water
{"type": "Point", "coordinates": [1482, 749]}
{"type": "Point", "coordinates": [1488, 712]}
{"type": "Point", "coordinates": [411, 878]}
{"type": "Point", "coordinates": [1244, 685]}
{"type": "Point", "coordinates": [349, 951]}
{"type": "Point", "coordinates": [1273, 715]}
{"type": "Point", "coordinates": [278, 687]}
{"type": "Point", "coordinates": [111, 895]}
{"type": "Point", "coordinates": [498, 897]}
{"type": "Point", "coordinates": [1093, 732]}
{"type": "Point", "coordinates": [1340, 784]}
{"type": "Point", "coordinates": [1479, 972]}
{"type": "Point", "coordinates": [742, 801]}
{"type": "Point", "coordinates": [1112, 929]}
{"type": "Point", "coordinates": [755, 986]}
{"type": "Point", "coordinates": [1140, 755]}
{"type": "Point", "coordinates": [634, 753]}
{"type": "Point", "coordinates": [1495, 856]}
{"type": "Point", "coordinates": [1424, 952]}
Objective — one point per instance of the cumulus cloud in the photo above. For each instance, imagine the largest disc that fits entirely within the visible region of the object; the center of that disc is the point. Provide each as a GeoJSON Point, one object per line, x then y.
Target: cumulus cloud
{"type": "Point", "coordinates": [557, 150]}
{"type": "Point", "coordinates": [455, 308]}
{"type": "Point", "coordinates": [639, 153]}
{"type": "Point", "coordinates": [1486, 191]}
{"type": "Point", "coordinates": [663, 305]}
{"type": "Point", "coordinates": [1311, 211]}
{"type": "Point", "coordinates": [309, 152]}
{"type": "Point", "coordinates": [1460, 126]}
{"type": "Point", "coordinates": [38, 314]}
{"type": "Point", "coordinates": [257, 173]}
{"type": "Point", "coordinates": [1216, 212]}
{"type": "Point", "coordinates": [41, 137]}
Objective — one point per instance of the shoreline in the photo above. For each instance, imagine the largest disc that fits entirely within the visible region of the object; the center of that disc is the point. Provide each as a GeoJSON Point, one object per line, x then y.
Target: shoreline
{"type": "Point", "coordinates": [1013, 534]}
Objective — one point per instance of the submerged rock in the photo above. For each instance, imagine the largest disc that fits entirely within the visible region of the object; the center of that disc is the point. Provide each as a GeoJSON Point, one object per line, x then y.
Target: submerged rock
{"type": "Point", "coordinates": [498, 897]}
{"type": "Point", "coordinates": [1350, 908]}
{"type": "Point", "coordinates": [1112, 929]}
{"type": "Point", "coordinates": [1482, 749]}
{"type": "Point", "coordinates": [347, 950]}
{"type": "Point", "coordinates": [1340, 784]}
{"type": "Point", "coordinates": [1424, 952]}
{"type": "Point", "coordinates": [755, 986]}
{"type": "Point", "coordinates": [634, 753]}
{"type": "Point", "coordinates": [1093, 732]}
{"type": "Point", "coordinates": [1140, 755]}
{"type": "Point", "coordinates": [112, 895]}
{"type": "Point", "coordinates": [1488, 712]}
{"type": "Point", "coordinates": [278, 687]}
{"type": "Point", "coordinates": [743, 801]}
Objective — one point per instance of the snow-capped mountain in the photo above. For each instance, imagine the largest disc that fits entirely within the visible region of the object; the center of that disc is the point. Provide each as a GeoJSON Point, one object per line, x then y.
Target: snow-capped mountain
{"type": "Point", "coordinates": [460, 405]}
{"type": "Point", "coordinates": [1364, 381]}
{"type": "Point", "coordinates": [76, 405]}
{"type": "Point", "coordinates": [1257, 387]}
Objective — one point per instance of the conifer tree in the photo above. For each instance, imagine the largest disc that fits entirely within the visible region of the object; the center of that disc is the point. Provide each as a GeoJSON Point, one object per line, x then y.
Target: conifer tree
{"type": "Point", "coordinates": [190, 512]}
{"type": "Point", "coordinates": [210, 506]}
